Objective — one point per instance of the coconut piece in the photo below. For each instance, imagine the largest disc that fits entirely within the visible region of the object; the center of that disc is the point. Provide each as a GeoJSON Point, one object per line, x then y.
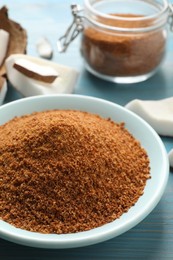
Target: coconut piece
{"type": "Point", "coordinates": [36, 71]}
{"type": "Point", "coordinates": [44, 48]}
{"type": "Point", "coordinates": [158, 113]}
{"type": "Point", "coordinates": [63, 84]}
{"type": "Point", "coordinates": [18, 36]}
{"type": "Point", "coordinates": [170, 155]}
{"type": "Point", "coordinates": [4, 39]}
{"type": "Point", "coordinates": [3, 89]}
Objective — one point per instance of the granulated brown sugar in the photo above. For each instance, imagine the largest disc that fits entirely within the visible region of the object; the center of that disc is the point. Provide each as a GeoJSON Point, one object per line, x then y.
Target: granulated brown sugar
{"type": "Point", "coordinates": [66, 171]}
{"type": "Point", "coordinates": [122, 54]}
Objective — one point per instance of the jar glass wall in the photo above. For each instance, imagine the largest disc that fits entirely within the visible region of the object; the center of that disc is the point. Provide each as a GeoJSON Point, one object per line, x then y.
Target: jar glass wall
{"type": "Point", "coordinates": [124, 40]}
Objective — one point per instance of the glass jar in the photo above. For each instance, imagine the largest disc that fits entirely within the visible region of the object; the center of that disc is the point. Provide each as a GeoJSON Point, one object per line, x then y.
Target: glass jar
{"type": "Point", "coordinates": [123, 41]}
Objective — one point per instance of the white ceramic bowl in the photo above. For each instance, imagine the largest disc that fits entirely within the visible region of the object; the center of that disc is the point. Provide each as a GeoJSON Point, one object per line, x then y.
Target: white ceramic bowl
{"type": "Point", "coordinates": [140, 130]}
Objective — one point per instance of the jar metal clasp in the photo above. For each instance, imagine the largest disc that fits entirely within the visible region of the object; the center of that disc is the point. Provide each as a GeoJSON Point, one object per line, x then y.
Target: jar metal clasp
{"type": "Point", "coordinates": [73, 30]}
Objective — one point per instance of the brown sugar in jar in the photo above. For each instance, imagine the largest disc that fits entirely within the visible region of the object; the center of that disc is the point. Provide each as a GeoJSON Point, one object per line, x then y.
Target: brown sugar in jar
{"type": "Point", "coordinates": [122, 54]}
{"type": "Point", "coordinates": [124, 41]}
{"type": "Point", "coordinates": [65, 171]}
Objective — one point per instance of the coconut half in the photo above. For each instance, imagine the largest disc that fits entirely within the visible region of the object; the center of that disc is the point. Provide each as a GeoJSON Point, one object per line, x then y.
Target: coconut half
{"type": "Point", "coordinates": [18, 36]}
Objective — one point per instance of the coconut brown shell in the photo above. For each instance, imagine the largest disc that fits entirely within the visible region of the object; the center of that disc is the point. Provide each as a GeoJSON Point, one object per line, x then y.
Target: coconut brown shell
{"type": "Point", "coordinates": [18, 36]}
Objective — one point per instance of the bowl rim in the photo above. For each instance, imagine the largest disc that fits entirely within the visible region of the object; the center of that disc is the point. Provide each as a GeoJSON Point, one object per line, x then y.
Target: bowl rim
{"type": "Point", "coordinates": [106, 231]}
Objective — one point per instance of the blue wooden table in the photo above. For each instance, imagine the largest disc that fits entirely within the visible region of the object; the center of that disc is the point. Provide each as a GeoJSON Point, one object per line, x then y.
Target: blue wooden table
{"type": "Point", "coordinates": [153, 237]}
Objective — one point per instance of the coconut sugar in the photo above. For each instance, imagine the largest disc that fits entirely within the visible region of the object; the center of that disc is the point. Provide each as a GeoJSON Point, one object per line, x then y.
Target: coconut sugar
{"type": "Point", "coordinates": [123, 54]}
{"type": "Point", "coordinates": [65, 171]}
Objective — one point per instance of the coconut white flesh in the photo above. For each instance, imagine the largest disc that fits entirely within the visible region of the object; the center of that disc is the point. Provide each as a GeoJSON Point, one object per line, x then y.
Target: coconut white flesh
{"type": "Point", "coordinates": [44, 48]}
{"type": "Point", "coordinates": [4, 40]}
{"type": "Point", "coordinates": [171, 158]}
{"type": "Point", "coordinates": [36, 71]}
{"type": "Point", "coordinates": [64, 83]}
{"type": "Point", "coordinates": [158, 113]}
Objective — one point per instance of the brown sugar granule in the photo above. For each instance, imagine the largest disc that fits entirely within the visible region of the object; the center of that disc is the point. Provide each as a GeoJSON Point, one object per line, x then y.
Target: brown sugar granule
{"type": "Point", "coordinates": [123, 54]}
{"type": "Point", "coordinates": [64, 171]}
